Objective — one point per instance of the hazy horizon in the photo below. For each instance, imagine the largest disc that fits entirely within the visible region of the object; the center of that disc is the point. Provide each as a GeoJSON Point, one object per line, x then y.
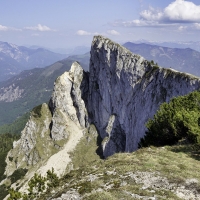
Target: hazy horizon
{"type": "Point", "coordinates": [68, 24]}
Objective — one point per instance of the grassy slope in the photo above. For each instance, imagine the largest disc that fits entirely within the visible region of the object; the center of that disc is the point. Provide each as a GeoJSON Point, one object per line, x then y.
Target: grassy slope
{"type": "Point", "coordinates": [148, 172]}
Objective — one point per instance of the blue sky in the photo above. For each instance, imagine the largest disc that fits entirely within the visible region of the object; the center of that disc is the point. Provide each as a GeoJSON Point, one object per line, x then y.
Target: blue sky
{"type": "Point", "coordinates": [70, 23]}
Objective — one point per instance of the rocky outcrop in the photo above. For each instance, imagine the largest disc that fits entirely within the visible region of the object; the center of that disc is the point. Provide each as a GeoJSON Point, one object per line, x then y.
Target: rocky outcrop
{"type": "Point", "coordinates": [119, 94]}
{"type": "Point", "coordinates": [117, 97]}
{"type": "Point", "coordinates": [53, 130]}
{"type": "Point", "coordinates": [11, 93]}
{"type": "Point", "coordinates": [66, 103]}
{"type": "Point", "coordinates": [125, 91]}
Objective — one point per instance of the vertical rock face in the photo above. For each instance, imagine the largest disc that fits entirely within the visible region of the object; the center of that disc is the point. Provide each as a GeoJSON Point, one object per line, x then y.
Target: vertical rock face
{"type": "Point", "coordinates": [125, 91]}
{"type": "Point", "coordinates": [66, 102]}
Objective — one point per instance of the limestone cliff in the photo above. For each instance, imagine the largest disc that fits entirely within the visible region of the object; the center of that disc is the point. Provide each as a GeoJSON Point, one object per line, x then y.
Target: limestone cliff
{"type": "Point", "coordinates": [125, 91]}
{"type": "Point", "coordinates": [66, 103]}
{"type": "Point", "coordinates": [117, 97]}
{"type": "Point", "coordinates": [53, 130]}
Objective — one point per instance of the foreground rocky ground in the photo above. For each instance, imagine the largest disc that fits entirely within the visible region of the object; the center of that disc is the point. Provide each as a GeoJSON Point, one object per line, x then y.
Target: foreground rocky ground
{"type": "Point", "coordinates": [149, 173]}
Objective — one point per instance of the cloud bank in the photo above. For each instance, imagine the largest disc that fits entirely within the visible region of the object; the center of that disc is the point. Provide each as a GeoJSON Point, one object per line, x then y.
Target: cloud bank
{"type": "Point", "coordinates": [113, 32]}
{"type": "Point", "coordinates": [177, 12]}
{"type": "Point", "coordinates": [39, 27]}
{"type": "Point", "coordinates": [86, 33]}
{"type": "Point", "coordinates": [82, 32]}
{"type": "Point", "coordinates": [6, 28]}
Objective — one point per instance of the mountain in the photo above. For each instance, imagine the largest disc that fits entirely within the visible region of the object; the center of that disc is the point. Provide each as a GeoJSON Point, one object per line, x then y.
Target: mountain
{"type": "Point", "coordinates": [79, 50]}
{"type": "Point", "coordinates": [185, 60]}
{"type": "Point", "coordinates": [32, 87]}
{"type": "Point", "coordinates": [67, 51]}
{"type": "Point", "coordinates": [193, 45]}
{"type": "Point", "coordinates": [14, 59]}
{"type": "Point", "coordinates": [171, 44]}
{"type": "Point", "coordinates": [93, 115]}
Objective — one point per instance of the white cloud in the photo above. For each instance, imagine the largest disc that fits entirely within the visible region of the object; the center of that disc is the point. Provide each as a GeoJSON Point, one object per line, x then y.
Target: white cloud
{"type": "Point", "coordinates": [3, 28]}
{"type": "Point", "coordinates": [182, 28]}
{"type": "Point", "coordinates": [83, 33]}
{"type": "Point", "coordinates": [151, 15]}
{"type": "Point", "coordinates": [182, 11]}
{"type": "Point", "coordinates": [113, 32]}
{"type": "Point", "coordinates": [177, 12]}
{"type": "Point", "coordinates": [39, 27]}
{"type": "Point", "coordinates": [6, 28]}
{"type": "Point", "coordinates": [197, 26]}
{"type": "Point", "coordinates": [194, 26]}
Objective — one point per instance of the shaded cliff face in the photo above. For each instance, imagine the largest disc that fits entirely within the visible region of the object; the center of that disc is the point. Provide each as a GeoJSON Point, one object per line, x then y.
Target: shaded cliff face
{"type": "Point", "coordinates": [125, 91]}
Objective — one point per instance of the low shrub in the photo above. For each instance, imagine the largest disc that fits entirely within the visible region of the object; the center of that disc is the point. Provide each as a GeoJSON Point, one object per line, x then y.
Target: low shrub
{"type": "Point", "coordinates": [176, 120]}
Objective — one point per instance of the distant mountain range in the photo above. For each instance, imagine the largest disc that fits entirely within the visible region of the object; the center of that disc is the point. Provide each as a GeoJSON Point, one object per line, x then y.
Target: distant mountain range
{"type": "Point", "coordinates": [191, 45]}
{"type": "Point", "coordinates": [32, 87]}
{"type": "Point", "coordinates": [14, 59]}
{"type": "Point", "coordinates": [184, 60]}
{"type": "Point", "coordinates": [68, 51]}
{"type": "Point", "coordinates": [179, 44]}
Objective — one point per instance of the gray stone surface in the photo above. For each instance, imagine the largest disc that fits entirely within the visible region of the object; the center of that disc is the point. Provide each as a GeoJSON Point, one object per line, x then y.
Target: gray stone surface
{"type": "Point", "coordinates": [117, 98]}
{"type": "Point", "coordinates": [11, 93]}
{"type": "Point", "coordinates": [125, 91]}
{"type": "Point", "coordinates": [66, 102]}
{"type": "Point", "coordinates": [34, 144]}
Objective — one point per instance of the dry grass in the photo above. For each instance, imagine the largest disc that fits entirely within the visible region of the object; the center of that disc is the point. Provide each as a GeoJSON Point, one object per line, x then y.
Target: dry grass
{"type": "Point", "coordinates": [113, 177]}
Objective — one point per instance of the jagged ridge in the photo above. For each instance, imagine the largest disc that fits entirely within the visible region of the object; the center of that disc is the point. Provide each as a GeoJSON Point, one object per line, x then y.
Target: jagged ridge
{"type": "Point", "coordinates": [125, 91]}
{"type": "Point", "coordinates": [120, 93]}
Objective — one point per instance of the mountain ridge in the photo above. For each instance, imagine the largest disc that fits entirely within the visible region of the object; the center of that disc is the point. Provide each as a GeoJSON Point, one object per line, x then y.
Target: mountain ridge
{"type": "Point", "coordinates": [185, 60]}
{"type": "Point", "coordinates": [107, 106]}
{"type": "Point", "coordinates": [22, 92]}
{"type": "Point", "coordinates": [14, 59]}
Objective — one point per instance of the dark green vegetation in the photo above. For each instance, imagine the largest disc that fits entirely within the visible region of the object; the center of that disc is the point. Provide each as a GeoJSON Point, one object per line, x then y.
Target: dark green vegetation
{"type": "Point", "coordinates": [6, 142]}
{"type": "Point", "coordinates": [37, 85]}
{"type": "Point", "coordinates": [37, 186]}
{"type": "Point", "coordinates": [17, 174]}
{"type": "Point", "coordinates": [174, 121]}
{"type": "Point", "coordinates": [184, 60]}
{"type": "Point", "coordinates": [17, 126]}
